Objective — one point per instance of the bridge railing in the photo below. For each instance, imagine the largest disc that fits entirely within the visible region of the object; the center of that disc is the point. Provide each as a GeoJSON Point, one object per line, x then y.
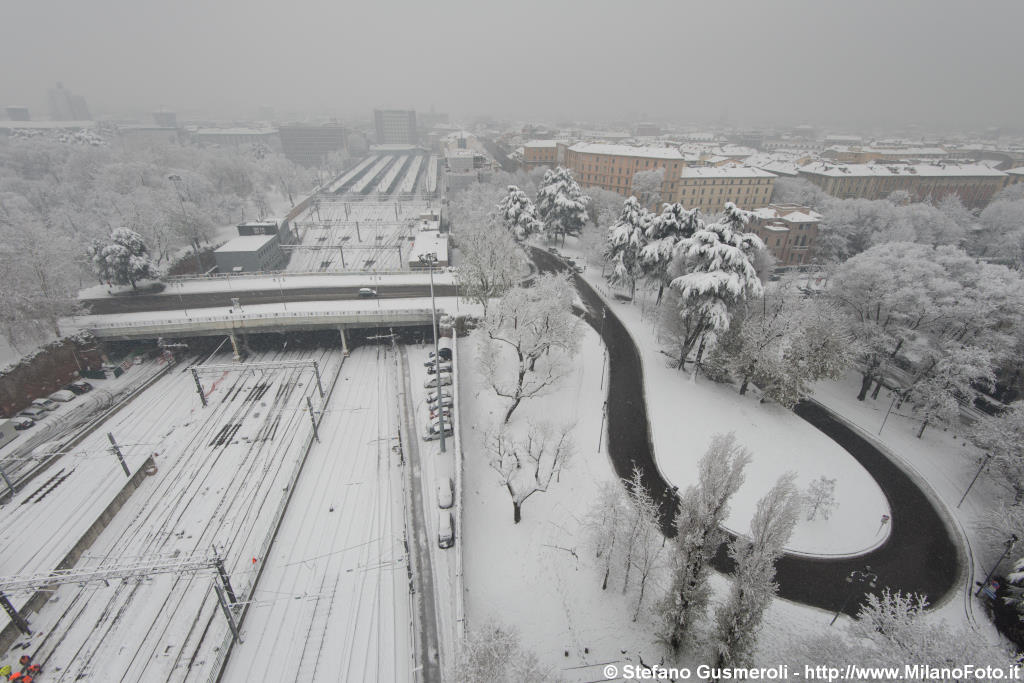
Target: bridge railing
{"type": "Point", "coordinates": [378, 312]}
{"type": "Point", "coordinates": [283, 274]}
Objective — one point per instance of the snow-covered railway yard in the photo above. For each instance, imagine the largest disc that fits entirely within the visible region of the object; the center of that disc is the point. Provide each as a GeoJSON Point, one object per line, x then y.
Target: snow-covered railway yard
{"type": "Point", "coordinates": [332, 603]}
{"type": "Point", "coordinates": [223, 474]}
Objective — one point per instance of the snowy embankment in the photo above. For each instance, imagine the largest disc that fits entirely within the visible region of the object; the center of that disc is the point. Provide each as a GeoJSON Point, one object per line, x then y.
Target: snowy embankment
{"type": "Point", "coordinates": [684, 415]}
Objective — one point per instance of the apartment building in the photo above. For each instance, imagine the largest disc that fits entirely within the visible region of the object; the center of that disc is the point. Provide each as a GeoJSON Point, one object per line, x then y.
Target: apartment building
{"type": "Point", "coordinates": [708, 188]}
{"type": "Point", "coordinates": [540, 153]}
{"type": "Point", "coordinates": [788, 230]}
{"type": "Point", "coordinates": [846, 154]}
{"type": "Point", "coordinates": [973, 183]}
{"type": "Point", "coordinates": [612, 167]}
{"type": "Point", "coordinates": [395, 126]}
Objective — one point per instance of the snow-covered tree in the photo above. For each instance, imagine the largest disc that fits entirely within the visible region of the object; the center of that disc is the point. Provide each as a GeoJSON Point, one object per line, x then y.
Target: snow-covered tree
{"type": "Point", "coordinates": [561, 205]}
{"type": "Point", "coordinates": [702, 509]}
{"type": "Point", "coordinates": [536, 324]}
{"type": "Point", "coordinates": [664, 234]}
{"type": "Point", "coordinates": [646, 186]}
{"type": "Point", "coordinates": [719, 276]}
{"type": "Point", "coordinates": [738, 620]}
{"type": "Point", "coordinates": [123, 259]}
{"type": "Point", "coordinates": [493, 653]}
{"type": "Point", "coordinates": [820, 498]}
{"type": "Point", "coordinates": [892, 630]}
{"type": "Point", "coordinates": [939, 387]}
{"type": "Point", "coordinates": [604, 208]}
{"type": "Point", "coordinates": [1001, 437]}
{"type": "Point", "coordinates": [528, 464]}
{"type": "Point", "coordinates": [626, 240]}
{"type": "Point", "coordinates": [799, 191]}
{"type": "Point", "coordinates": [605, 528]}
{"type": "Point", "coordinates": [518, 214]}
{"type": "Point", "coordinates": [490, 261]}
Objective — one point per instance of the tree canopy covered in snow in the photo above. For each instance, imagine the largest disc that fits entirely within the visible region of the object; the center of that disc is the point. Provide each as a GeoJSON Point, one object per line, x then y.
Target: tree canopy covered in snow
{"type": "Point", "coordinates": [561, 204]}
{"type": "Point", "coordinates": [518, 214]}
{"type": "Point", "coordinates": [626, 240]}
{"type": "Point", "coordinates": [122, 259]}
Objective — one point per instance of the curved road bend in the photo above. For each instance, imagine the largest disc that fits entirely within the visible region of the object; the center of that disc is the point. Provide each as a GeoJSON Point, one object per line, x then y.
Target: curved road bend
{"type": "Point", "coordinates": [919, 556]}
{"type": "Point", "coordinates": [169, 300]}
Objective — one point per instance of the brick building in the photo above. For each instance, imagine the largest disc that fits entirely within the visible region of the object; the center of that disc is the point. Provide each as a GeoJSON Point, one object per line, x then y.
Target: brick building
{"type": "Point", "coordinates": [708, 188]}
{"type": "Point", "coordinates": [973, 183]}
{"type": "Point", "coordinates": [788, 230]}
{"type": "Point", "coordinates": [612, 167]}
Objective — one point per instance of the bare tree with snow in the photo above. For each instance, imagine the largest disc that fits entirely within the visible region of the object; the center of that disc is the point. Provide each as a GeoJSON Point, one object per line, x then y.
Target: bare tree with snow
{"type": "Point", "coordinates": [528, 464]}
{"type": "Point", "coordinates": [1001, 437]}
{"type": "Point", "coordinates": [490, 261]}
{"type": "Point", "coordinates": [738, 620]}
{"type": "Point", "coordinates": [646, 186]}
{"type": "Point", "coordinates": [605, 527]}
{"type": "Point", "coordinates": [702, 509]}
{"type": "Point", "coordinates": [820, 498]}
{"type": "Point", "coordinates": [493, 653]}
{"type": "Point", "coordinates": [537, 325]}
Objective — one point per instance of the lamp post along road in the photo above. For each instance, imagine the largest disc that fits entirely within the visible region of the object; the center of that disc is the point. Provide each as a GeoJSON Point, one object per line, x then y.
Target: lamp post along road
{"type": "Point", "coordinates": [1009, 546]}
{"type": "Point", "coordinates": [429, 260]}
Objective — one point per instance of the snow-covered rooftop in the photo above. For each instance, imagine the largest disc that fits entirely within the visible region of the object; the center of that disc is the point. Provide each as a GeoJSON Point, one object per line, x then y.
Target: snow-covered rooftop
{"type": "Point", "coordinates": [541, 143]}
{"type": "Point", "coordinates": [724, 172]}
{"type": "Point", "coordinates": [886, 170]}
{"type": "Point", "coordinates": [234, 131]}
{"type": "Point", "coordinates": [429, 243]}
{"type": "Point", "coordinates": [246, 243]}
{"type": "Point", "coordinates": [1016, 171]}
{"type": "Point", "coordinates": [627, 150]}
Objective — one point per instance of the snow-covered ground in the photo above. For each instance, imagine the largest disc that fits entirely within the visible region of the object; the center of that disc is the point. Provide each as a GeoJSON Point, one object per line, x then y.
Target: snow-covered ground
{"type": "Point", "coordinates": [223, 473]}
{"type": "Point", "coordinates": [332, 603]}
{"type": "Point", "coordinates": [684, 415]}
{"type": "Point", "coordinates": [537, 576]}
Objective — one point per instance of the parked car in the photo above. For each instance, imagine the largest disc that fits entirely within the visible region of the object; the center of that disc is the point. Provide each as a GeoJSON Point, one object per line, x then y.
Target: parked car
{"type": "Point", "coordinates": [445, 354]}
{"type": "Point", "coordinates": [445, 529]}
{"type": "Point", "coordinates": [367, 292]}
{"type": "Point", "coordinates": [444, 391]}
{"type": "Point", "coordinates": [445, 410]}
{"type": "Point", "coordinates": [445, 493]}
{"type": "Point", "coordinates": [436, 420]}
{"type": "Point", "coordinates": [442, 380]}
{"type": "Point", "coordinates": [63, 396]}
{"type": "Point", "coordinates": [433, 432]}
{"type": "Point", "coordinates": [446, 402]}
{"type": "Point", "coordinates": [46, 404]}
{"type": "Point", "coordinates": [34, 412]}
{"type": "Point", "coordinates": [22, 423]}
{"type": "Point", "coordinates": [434, 367]}
{"type": "Point", "coordinates": [79, 387]}
{"type": "Point", "coordinates": [553, 251]}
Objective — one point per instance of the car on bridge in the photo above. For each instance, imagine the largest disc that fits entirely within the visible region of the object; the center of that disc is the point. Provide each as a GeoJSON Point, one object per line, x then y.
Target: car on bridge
{"type": "Point", "coordinates": [367, 292]}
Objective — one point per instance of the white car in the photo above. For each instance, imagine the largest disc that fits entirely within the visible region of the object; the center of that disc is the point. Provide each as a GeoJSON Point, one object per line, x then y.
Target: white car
{"type": "Point", "coordinates": [433, 432]}
{"type": "Point", "coordinates": [445, 529]}
{"type": "Point", "coordinates": [446, 402]}
{"type": "Point", "coordinates": [45, 404]}
{"type": "Point", "coordinates": [442, 380]}
{"type": "Point", "coordinates": [63, 396]}
{"type": "Point", "coordinates": [445, 493]}
{"type": "Point", "coordinates": [444, 367]}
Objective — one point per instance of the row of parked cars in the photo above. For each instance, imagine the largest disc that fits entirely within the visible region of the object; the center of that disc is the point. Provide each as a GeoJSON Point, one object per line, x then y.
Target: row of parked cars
{"type": "Point", "coordinates": [41, 407]}
{"type": "Point", "coordinates": [439, 412]}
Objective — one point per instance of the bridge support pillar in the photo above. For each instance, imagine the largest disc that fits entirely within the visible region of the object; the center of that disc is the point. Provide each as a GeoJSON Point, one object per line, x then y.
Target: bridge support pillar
{"type": "Point", "coordinates": [344, 341]}
{"type": "Point", "coordinates": [234, 346]}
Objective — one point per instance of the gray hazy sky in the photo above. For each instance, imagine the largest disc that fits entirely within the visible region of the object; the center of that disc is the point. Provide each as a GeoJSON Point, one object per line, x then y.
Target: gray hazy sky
{"type": "Point", "coordinates": [929, 62]}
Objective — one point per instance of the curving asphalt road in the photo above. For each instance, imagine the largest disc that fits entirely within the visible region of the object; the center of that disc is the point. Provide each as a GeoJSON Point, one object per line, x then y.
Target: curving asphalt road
{"type": "Point", "coordinates": [919, 556]}
{"type": "Point", "coordinates": [169, 300]}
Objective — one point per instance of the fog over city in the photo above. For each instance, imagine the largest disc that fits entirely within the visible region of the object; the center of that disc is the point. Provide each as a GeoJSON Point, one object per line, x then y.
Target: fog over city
{"type": "Point", "coordinates": [946, 63]}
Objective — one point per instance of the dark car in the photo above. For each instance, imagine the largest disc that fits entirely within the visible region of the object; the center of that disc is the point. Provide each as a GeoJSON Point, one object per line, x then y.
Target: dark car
{"type": "Point", "coordinates": [22, 423]}
{"type": "Point", "coordinates": [79, 387]}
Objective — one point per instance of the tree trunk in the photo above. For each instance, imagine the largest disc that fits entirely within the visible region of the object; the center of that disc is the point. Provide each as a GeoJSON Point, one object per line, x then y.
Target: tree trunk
{"type": "Point", "coordinates": [865, 384]}
{"type": "Point", "coordinates": [512, 408]}
{"type": "Point", "coordinates": [517, 512]}
{"type": "Point", "coordinates": [640, 599]}
{"type": "Point", "coordinates": [661, 292]}
{"type": "Point", "coordinates": [743, 386]}
{"type": "Point", "coordinates": [921, 430]}
{"type": "Point", "coordinates": [878, 388]}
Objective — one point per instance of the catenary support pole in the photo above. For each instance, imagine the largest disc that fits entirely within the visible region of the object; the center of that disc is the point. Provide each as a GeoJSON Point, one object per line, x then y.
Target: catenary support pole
{"type": "Point", "coordinates": [116, 450]}
{"type": "Point", "coordinates": [227, 613]}
{"type": "Point", "coordinates": [15, 615]}
{"type": "Point", "coordinates": [199, 386]}
{"type": "Point", "coordinates": [319, 386]}
{"type": "Point", "coordinates": [7, 481]}
{"type": "Point", "coordinates": [312, 417]}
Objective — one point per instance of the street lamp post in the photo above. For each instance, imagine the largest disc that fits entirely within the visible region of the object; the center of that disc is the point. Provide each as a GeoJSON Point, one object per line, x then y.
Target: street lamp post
{"type": "Point", "coordinates": [984, 462]}
{"type": "Point", "coordinates": [857, 576]}
{"type": "Point", "coordinates": [429, 260]}
{"type": "Point", "coordinates": [1009, 546]}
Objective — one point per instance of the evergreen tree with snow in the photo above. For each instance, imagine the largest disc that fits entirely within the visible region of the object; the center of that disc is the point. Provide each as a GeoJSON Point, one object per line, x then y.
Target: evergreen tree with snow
{"type": "Point", "coordinates": [122, 259]}
{"type": "Point", "coordinates": [664, 234]}
{"type": "Point", "coordinates": [738, 620]}
{"type": "Point", "coordinates": [518, 214]}
{"type": "Point", "coordinates": [702, 509]}
{"type": "Point", "coordinates": [626, 240]}
{"type": "Point", "coordinates": [561, 204]}
{"type": "Point", "coordinates": [719, 276]}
